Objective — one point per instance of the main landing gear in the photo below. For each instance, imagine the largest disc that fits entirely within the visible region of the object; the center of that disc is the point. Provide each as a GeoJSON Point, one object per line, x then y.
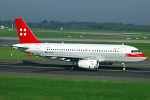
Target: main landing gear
{"type": "Point", "coordinates": [124, 66]}
{"type": "Point", "coordinates": [75, 65]}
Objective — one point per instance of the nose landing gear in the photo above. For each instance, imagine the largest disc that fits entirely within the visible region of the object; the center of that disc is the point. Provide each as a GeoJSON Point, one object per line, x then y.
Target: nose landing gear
{"type": "Point", "coordinates": [124, 66]}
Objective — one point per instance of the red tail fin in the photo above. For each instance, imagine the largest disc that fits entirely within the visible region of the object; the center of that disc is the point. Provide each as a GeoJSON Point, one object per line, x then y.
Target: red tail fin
{"type": "Point", "coordinates": [24, 33]}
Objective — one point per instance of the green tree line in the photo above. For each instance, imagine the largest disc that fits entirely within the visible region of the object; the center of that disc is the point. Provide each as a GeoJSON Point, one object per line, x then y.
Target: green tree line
{"type": "Point", "coordinates": [74, 25]}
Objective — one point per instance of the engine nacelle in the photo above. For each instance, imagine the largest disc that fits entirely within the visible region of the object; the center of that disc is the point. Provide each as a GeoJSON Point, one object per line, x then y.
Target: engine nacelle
{"type": "Point", "coordinates": [91, 64]}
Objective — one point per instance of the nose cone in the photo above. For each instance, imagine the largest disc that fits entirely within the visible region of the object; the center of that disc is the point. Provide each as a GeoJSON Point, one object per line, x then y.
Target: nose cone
{"type": "Point", "coordinates": [143, 57]}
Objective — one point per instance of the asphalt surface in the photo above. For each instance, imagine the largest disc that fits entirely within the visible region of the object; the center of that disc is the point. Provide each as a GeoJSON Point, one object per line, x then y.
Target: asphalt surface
{"type": "Point", "coordinates": [139, 72]}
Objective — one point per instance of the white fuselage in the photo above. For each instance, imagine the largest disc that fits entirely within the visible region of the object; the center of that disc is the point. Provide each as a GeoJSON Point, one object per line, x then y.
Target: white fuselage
{"type": "Point", "coordinates": [100, 52]}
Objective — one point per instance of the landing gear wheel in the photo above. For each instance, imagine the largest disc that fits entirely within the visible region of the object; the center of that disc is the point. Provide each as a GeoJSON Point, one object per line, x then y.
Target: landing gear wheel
{"type": "Point", "coordinates": [124, 66]}
{"type": "Point", "coordinates": [74, 67]}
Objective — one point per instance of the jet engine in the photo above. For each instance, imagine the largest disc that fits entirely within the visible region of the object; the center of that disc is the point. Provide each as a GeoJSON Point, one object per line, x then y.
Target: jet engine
{"type": "Point", "coordinates": [91, 64]}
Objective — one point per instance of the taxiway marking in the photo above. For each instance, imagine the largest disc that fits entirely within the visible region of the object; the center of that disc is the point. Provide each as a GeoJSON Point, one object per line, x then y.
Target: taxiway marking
{"type": "Point", "coordinates": [140, 71]}
{"type": "Point", "coordinates": [118, 70]}
{"type": "Point", "coordinates": [21, 66]}
{"type": "Point", "coordinates": [9, 64]}
{"type": "Point", "coordinates": [4, 65]}
{"type": "Point", "coordinates": [38, 67]}
{"type": "Point", "coordinates": [132, 64]}
{"type": "Point", "coordinates": [50, 67]}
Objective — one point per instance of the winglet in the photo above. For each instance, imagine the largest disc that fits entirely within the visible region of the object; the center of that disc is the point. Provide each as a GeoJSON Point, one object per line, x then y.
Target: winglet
{"type": "Point", "coordinates": [24, 33]}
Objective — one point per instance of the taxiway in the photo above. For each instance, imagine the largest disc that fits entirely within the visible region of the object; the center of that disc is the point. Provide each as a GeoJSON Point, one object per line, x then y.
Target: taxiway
{"type": "Point", "coordinates": [9, 41]}
{"type": "Point", "coordinates": [139, 72]}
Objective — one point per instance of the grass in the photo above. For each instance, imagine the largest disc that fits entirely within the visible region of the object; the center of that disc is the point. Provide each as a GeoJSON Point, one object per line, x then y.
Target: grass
{"type": "Point", "coordinates": [33, 88]}
{"type": "Point", "coordinates": [52, 34]}
{"type": "Point", "coordinates": [75, 33]}
{"type": "Point", "coordinates": [5, 52]}
{"type": "Point", "coordinates": [65, 35]}
{"type": "Point", "coordinates": [4, 33]}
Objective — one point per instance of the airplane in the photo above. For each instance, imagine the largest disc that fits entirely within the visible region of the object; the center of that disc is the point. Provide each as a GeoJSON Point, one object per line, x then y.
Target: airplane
{"type": "Point", "coordinates": [88, 56]}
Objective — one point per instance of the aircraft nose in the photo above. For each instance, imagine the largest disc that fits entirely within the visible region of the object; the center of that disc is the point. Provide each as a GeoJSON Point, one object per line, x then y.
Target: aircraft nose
{"type": "Point", "coordinates": [142, 56]}
{"type": "Point", "coordinates": [135, 55]}
{"type": "Point", "coordinates": [139, 56]}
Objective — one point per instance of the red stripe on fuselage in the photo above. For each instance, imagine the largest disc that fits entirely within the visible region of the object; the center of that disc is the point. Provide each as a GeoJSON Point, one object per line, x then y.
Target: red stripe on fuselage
{"type": "Point", "coordinates": [135, 55]}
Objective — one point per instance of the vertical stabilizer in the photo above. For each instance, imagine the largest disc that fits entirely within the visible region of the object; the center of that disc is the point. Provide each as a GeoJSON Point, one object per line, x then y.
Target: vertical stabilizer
{"type": "Point", "coordinates": [24, 33]}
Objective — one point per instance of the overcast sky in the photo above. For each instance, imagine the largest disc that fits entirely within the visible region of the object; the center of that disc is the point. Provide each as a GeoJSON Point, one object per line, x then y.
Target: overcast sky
{"type": "Point", "coordinates": [122, 11]}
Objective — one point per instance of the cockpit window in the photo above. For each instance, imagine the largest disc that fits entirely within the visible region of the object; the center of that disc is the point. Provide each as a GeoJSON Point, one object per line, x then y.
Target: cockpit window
{"type": "Point", "coordinates": [135, 51]}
